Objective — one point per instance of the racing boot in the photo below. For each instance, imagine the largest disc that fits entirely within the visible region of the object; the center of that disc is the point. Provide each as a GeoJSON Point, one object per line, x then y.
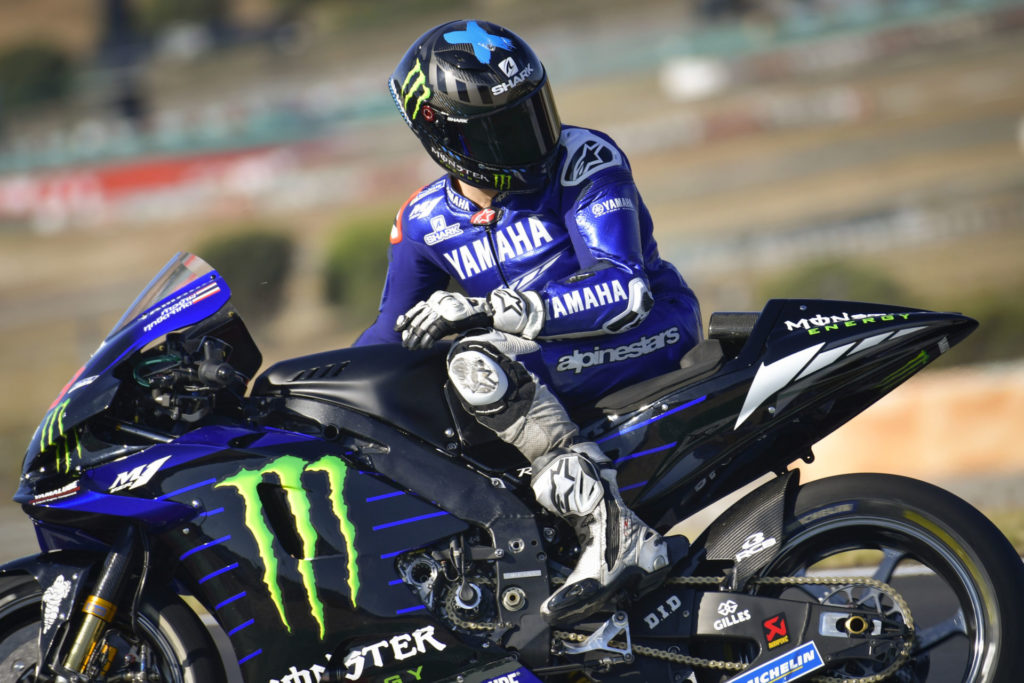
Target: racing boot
{"type": "Point", "coordinates": [578, 484]}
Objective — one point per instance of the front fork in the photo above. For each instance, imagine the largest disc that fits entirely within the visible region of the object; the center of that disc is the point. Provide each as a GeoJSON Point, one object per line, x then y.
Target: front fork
{"type": "Point", "coordinates": [101, 605]}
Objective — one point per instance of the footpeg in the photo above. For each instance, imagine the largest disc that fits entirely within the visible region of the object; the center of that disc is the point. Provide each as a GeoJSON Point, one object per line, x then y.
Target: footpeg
{"type": "Point", "coordinates": [678, 547]}
{"type": "Point", "coordinates": [600, 640]}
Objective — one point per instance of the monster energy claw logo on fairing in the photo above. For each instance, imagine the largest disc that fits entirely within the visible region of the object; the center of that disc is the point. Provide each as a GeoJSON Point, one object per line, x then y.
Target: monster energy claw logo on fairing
{"type": "Point", "coordinates": [289, 470]}
{"type": "Point", "coordinates": [415, 85]}
{"type": "Point", "coordinates": [905, 371]}
{"type": "Point", "coordinates": [52, 434]}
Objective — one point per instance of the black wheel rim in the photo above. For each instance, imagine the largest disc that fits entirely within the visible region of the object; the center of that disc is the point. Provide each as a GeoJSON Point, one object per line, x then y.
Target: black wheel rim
{"type": "Point", "coordinates": [18, 649]}
{"type": "Point", "coordinates": [961, 635]}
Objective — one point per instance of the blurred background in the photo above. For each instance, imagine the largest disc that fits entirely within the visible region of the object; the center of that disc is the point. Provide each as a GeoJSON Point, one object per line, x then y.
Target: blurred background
{"type": "Point", "coordinates": [851, 149]}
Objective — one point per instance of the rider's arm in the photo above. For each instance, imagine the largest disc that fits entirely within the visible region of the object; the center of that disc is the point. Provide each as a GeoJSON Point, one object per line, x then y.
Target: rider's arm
{"type": "Point", "coordinates": [411, 277]}
{"type": "Point", "coordinates": [610, 293]}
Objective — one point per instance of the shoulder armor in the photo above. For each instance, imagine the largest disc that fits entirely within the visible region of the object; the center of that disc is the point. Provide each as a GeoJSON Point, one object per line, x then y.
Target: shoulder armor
{"type": "Point", "coordinates": [585, 154]}
{"type": "Point", "coordinates": [424, 203]}
{"type": "Point", "coordinates": [426, 217]}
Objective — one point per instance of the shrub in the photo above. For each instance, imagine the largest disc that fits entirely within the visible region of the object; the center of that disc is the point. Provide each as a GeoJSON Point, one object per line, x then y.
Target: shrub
{"type": "Point", "coordinates": [1001, 327]}
{"type": "Point", "coordinates": [255, 261]}
{"type": "Point", "coordinates": [356, 263]}
{"type": "Point", "coordinates": [837, 280]}
{"type": "Point", "coordinates": [33, 73]}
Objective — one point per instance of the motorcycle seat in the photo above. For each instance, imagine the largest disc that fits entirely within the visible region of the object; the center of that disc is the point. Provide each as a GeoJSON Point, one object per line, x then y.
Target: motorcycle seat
{"type": "Point", "coordinates": [702, 361]}
{"type": "Point", "coordinates": [727, 332]}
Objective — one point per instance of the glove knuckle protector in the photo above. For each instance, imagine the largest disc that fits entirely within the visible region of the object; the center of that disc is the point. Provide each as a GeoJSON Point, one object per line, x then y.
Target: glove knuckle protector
{"type": "Point", "coordinates": [519, 313]}
{"type": "Point", "coordinates": [443, 313]}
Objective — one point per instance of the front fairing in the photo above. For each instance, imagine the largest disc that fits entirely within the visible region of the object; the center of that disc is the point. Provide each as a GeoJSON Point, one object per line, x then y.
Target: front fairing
{"type": "Point", "coordinates": [184, 294]}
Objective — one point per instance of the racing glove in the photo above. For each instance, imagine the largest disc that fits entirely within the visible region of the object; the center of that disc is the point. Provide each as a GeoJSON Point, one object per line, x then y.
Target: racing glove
{"type": "Point", "coordinates": [444, 313]}
{"type": "Point", "coordinates": [519, 313]}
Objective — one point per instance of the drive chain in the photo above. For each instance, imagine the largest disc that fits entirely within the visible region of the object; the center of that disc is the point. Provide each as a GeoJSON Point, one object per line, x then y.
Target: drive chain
{"type": "Point", "coordinates": [701, 663]}
{"type": "Point", "coordinates": [452, 609]}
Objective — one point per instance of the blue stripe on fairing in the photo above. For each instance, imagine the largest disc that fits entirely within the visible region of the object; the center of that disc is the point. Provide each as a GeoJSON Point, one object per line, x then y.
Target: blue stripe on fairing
{"type": "Point", "coordinates": [195, 550]}
{"type": "Point", "coordinates": [417, 608]}
{"type": "Point", "coordinates": [640, 454]}
{"type": "Point", "coordinates": [385, 495]}
{"type": "Point", "coordinates": [620, 432]}
{"type": "Point", "coordinates": [388, 525]}
{"type": "Point", "coordinates": [246, 658]}
{"type": "Point", "coordinates": [631, 486]}
{"type": "Point", "coordinates": [217, 573]}
{"type": "Point", "coordinates": [190, 487]}
{"type": "Point", "coordinates": [241, 626]}
{"type": "Point", "coordinates": [229, 601]}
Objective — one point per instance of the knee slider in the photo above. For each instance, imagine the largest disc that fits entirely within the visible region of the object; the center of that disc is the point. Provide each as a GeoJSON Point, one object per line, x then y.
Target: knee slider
{"type": "Point", "coordinates": [488, 383]}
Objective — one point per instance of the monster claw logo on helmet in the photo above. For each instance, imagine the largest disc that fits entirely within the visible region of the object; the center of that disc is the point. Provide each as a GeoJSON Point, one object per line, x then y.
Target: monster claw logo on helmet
{"type": "Point", "coordinates": [479, 101]}
{"type": "Point", "coordinates": [415, 82]}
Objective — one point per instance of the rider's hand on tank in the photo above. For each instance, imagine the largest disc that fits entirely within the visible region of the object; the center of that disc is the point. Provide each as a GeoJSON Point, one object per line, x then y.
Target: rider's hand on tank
{"type": "Point", "coordinates": [442, 314]}
{"type": "Point", "coordinates": [520, 313]}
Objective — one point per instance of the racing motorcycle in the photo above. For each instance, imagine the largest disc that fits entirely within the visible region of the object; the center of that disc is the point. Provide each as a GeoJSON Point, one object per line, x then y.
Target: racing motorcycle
{"type": "Point", "coordinates": [340, 518]}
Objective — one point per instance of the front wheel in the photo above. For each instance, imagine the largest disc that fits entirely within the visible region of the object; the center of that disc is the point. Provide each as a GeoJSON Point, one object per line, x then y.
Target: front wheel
{"type": "Point", "coordinates": [960, 577]}
{"type": "Point", "coordinates": [172, 645]}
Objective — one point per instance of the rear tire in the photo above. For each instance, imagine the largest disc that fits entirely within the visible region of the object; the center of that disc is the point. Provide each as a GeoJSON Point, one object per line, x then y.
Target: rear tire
{"type": "Point", "coordinates": [183, 649]}
{"type": "Point", "coordinates": [911, 526]}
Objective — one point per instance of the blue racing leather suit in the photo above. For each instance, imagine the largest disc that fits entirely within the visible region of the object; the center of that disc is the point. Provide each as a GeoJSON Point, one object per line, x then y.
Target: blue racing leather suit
{"type": "Point", "coordinates": [584, 243]}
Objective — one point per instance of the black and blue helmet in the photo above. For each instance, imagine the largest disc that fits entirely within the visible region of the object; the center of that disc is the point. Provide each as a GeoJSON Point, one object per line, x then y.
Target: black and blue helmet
{"type": "Point", "coordinates": [478, 99]}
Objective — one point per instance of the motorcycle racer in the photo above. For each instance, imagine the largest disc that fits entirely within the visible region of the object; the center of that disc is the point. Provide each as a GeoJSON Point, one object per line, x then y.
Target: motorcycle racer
{"type": "Point", "coordinates": [567, 298]}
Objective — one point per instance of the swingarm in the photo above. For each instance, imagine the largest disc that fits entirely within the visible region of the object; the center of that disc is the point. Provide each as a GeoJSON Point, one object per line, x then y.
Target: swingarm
{"type": "Point", "coordinates": [832, 623]}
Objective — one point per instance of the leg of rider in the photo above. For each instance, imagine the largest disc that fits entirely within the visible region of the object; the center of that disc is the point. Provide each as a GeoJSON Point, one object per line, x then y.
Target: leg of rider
{"type": "Point", "coordinates": [573, 480]}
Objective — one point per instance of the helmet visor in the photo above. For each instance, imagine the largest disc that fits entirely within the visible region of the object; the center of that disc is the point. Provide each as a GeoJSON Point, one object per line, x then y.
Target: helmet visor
{"type": "Point", "coordinates": [518, 135]}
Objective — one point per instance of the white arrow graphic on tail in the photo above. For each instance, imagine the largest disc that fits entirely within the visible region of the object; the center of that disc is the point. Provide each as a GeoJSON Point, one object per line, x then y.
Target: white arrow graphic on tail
{"type": "Point", "coordinates": [772, 377]}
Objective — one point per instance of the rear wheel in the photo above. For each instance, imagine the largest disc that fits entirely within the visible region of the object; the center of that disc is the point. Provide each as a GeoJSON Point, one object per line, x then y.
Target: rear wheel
{"type": "Point", "coordinates": [960, 577]}
{"type": "Point", "coordinates": [172, 641]}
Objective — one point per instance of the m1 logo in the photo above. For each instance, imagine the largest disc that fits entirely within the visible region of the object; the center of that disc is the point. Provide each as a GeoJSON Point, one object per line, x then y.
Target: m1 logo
{"type": "Point", "coordinates": [775, 632]}
{"type": "Point", "coordinates": [140, 476]}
